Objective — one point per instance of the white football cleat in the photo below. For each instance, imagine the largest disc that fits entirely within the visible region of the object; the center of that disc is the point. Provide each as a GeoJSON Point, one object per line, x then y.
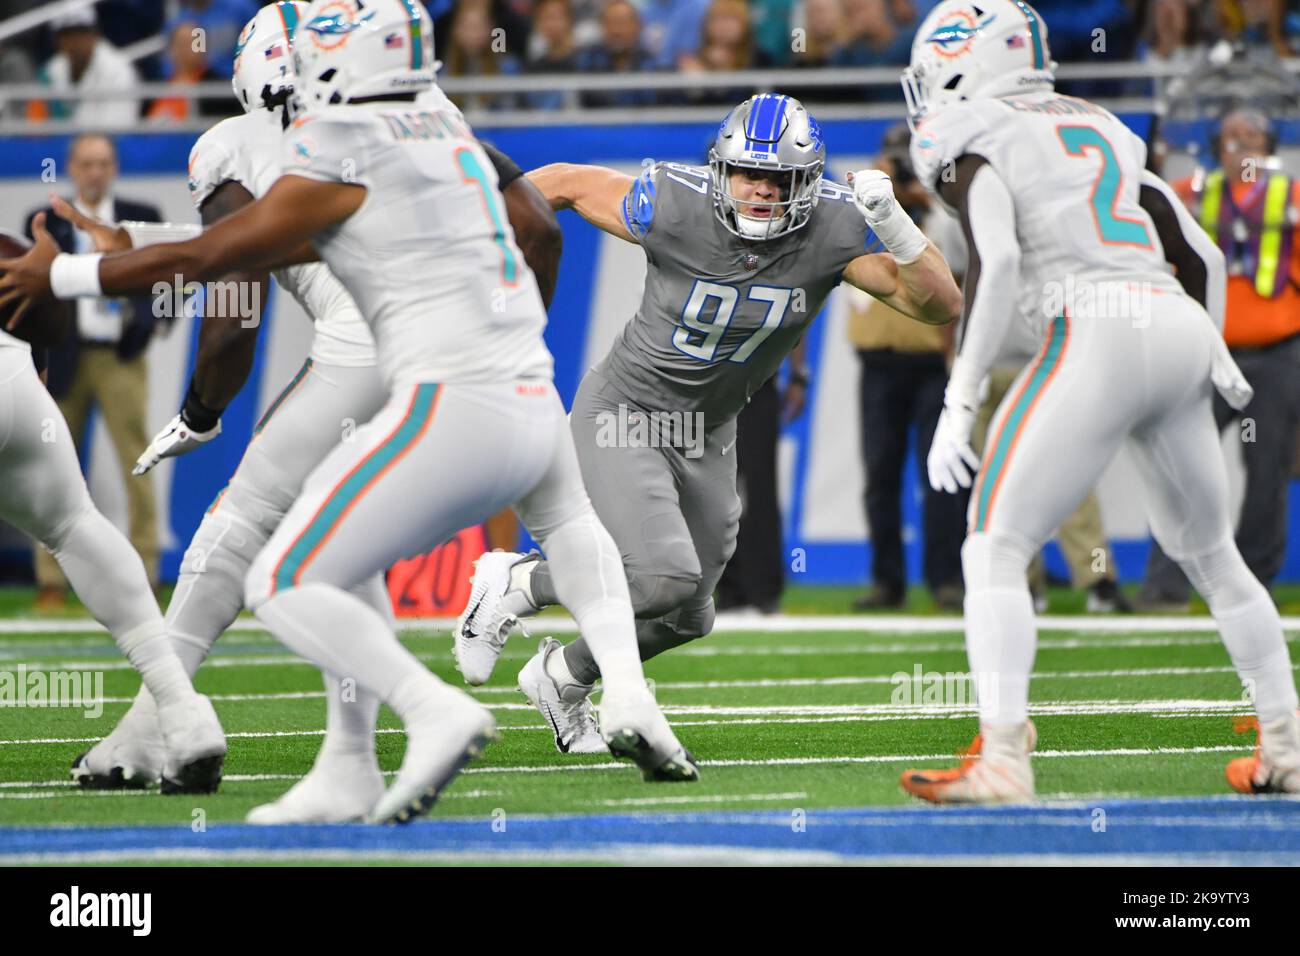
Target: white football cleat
{"type": "Point", "coordinates": [195, 744]}
{"type": "Point", "coordinates": [436, 750]}
{"type": "Point", "coordinates": [567, 709]}
{"type": "Point", "coordinates": [485, 624]}
{"type": "Point", "coordinates": [131, 757]}
{"type": "Point", "coordinates": [635, 729]}
{"type": "Point", "coordinates": [337, 790]}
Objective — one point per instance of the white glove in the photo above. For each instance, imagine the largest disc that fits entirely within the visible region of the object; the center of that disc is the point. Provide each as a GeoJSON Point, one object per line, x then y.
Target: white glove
{"type": "Point", "coordinates": [873, 194]}
{"type": "Point", "coordinates": [952, 463]}
{"type": "Point", "coordinates": [176, 439]}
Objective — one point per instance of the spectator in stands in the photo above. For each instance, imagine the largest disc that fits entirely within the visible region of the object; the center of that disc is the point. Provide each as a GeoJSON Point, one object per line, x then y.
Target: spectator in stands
{"type": "Point", "coordinates": [478, 47]}
{"type": "Point", "coordinates": [824, 33]}
{"type": "Point", "coordinates": [86, 61]}
{"type": "Point", "coordinates": [773, 21]}
{"type": "Point", "coordinates": [1173, 32]}
{"type": "Point", "coordinates": [1253, 213]}
{"type": "Point", "coordinates": [1087, 29]}
{"type": "Point", "coordinates": [671, 29]}
{"type": "Point", "coordinates": [904, 373]}
{"type": "Point", "coordinates": [1255, 23]}
{"type": "Point", "coordinates": [554, 48]}
{"type": "Point", "coordinates": [103, 365]}
{"type": "Point", "coordinates": [189, 65]}
{"type": "Point", "coordinates": [874, 38]}
{"type": "Point", "coordinates": [726, 45]}
{"type": "Point", "coordinates": [219, 23]}
{"type": "Point", "coordinates": [619, 51]}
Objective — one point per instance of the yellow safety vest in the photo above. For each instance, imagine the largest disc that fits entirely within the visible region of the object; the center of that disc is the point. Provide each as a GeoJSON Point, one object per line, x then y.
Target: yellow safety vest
{"type": "Point", "coordinates": [1277, 196]}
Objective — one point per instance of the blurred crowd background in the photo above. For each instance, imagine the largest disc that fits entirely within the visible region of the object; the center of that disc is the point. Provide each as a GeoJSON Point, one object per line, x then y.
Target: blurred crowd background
{"type": "Point", "coordinates": [120, 42]}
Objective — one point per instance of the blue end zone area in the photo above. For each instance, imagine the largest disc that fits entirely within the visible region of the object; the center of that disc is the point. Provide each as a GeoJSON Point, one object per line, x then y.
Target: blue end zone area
{"type": "Point", "coordinates": [1240, 831]}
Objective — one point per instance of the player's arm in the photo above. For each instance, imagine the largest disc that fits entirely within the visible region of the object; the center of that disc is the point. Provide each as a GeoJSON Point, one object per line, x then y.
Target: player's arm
{"type": "Point", "coordinates": [226, 349]}
{"type": "Point", "coordinates": [595, 193]}
{"type": "Point", "coordinates": [988, 217]}
{"type": "Point", "coordinates": [1198, 261]}
{"type": "Point", "coordinates": [537, 231]}
{"type": "Point", "coordinates": [273, 231]}
{"type": "Point", "coordinates": [912, 275]}
{"type": "Point", "coordinates": [226, 344]}
{"type": "Point", "coordinates": [923, 289]}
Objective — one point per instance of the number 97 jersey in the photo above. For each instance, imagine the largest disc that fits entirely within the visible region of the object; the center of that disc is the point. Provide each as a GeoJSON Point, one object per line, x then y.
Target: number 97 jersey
{"type": "Point", "coordinates": [1074, 171]}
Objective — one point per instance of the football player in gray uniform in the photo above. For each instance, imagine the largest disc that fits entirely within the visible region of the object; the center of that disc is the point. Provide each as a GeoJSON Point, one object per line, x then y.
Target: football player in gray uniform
{"type": "Point", "coordinates": [741, 255]}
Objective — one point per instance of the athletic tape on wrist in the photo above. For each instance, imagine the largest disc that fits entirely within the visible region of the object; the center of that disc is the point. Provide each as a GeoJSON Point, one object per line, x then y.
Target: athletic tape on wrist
{"type": "Point", "coordinates": [75, 276]}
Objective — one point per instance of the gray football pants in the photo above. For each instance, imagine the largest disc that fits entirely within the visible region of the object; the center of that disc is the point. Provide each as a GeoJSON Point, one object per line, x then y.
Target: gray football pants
{"type": "Point", "coordinates": [672, 511]}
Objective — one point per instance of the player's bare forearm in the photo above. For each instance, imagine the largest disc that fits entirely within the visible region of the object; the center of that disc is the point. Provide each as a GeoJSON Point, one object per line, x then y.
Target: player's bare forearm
{"type": "Point", "coordinates": [268, 233]}
{"type": "Point", "coordinates": [930, 288]}
{"type": "Point", "coordinates": [538, 233]}
{"type": "Point", "coordinates": [594, 192]}
{"type": "Point", "coordinates": [924, 289]}
{"type": "Point", "coordinates": [227, 343]}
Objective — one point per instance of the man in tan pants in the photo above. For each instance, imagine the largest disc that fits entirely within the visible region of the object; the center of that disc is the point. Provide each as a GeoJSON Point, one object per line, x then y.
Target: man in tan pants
{"type": "Point", "coordinates": [103, 365]}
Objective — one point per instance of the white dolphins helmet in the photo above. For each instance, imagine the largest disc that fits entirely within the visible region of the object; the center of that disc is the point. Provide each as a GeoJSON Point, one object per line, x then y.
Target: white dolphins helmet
{"type": "Point", "coordinates": [349, 49]}
{"type": "Point", "coordinates": [263, 75]}
{"type": "Point", "coordinates": [976, 49]}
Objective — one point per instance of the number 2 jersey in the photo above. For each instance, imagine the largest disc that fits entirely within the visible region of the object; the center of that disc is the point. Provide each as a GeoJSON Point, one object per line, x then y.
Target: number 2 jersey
{"type": "Point", "coordinates": [719, 313]}
{"type": "Point", "coordinates": [1074, 171]}
{"type": "Point", "coordinates": [429, 257]}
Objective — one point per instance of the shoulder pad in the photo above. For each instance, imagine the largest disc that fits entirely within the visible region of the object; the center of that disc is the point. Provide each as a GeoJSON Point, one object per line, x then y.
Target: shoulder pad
{"type": "Point", "coordinates": [940, 140]}
{"type": "Point", "coordinates": [212, 160]}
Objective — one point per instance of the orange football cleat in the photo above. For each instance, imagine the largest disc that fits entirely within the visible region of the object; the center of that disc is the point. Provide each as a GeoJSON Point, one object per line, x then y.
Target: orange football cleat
{"type": "Point", "coordinates": [1006, 778]}
{"type": "Point", "coordinates": [1259, 773]}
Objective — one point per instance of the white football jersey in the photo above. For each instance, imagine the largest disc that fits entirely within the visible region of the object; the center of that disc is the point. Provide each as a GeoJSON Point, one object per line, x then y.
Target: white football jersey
{"type": "Point", "coordinates": [1074, 172]}
{"type": "Point", "coordinates": [246, 149]}
{"type": "Point", "coordinates": [429, 257]}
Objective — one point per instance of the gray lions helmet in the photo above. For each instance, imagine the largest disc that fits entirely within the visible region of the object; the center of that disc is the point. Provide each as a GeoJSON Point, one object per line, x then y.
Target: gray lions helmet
{"type": "Point", "coordinates": [768, 132]}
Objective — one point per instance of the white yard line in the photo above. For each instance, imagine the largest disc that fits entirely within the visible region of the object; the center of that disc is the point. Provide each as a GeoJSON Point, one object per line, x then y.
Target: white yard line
{"type": "Point", "coordinates": [901, 678]}
{"type": "Point", "coordinates": [809, 714]}
{"type": "Point", "coordinates": [698, 649]}
{"type": "Point", "coordinates": [944, 759]}
{"type": "Point", "coordinates": [726, 624]}
{"type": "Point", "coordinates": [707, 798]}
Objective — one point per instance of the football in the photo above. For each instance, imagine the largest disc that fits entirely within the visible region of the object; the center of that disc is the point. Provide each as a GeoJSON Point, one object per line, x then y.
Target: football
{"type": "Point", "coordinates": [47, 324]}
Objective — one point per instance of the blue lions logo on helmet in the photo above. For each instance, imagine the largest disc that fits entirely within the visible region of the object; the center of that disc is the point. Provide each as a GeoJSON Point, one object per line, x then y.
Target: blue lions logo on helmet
{"type": "Point", "coordinates": [815, 130]}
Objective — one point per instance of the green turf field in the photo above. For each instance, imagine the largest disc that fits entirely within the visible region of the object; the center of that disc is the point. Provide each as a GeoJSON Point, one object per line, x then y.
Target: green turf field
{"type": "Point", "coordinates": [805, 718]}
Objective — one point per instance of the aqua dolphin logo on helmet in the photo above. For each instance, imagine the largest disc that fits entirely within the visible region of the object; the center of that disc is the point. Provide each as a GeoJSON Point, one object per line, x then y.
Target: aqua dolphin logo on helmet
{"type": "Point", "coordinates": [774, 134]}
{"type": "Point", "coordinates": [364, 49]}
{"type": "Point", "coordinates": [954, 37]}
{"type": "Point", "coordinates": [976, 49]}
{"type": "Point", "coordinates": [332, 29]}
